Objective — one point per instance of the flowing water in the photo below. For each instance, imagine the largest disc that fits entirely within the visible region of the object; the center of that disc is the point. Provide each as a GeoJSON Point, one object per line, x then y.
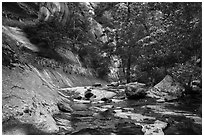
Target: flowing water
{"type": "Point", "coordinates": [129, 117]}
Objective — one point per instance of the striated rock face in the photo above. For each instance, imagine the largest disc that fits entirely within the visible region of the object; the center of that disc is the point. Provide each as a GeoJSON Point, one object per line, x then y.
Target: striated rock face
{"type": "Point", "coordinates": [31, 97]}
{"type": "Point", "coordinates": [26, 98]}
{"type": "Point", "coordinates": [30, 85]}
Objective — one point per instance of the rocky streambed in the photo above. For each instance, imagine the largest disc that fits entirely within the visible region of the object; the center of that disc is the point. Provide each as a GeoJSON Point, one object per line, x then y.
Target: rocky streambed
{"type": "Point", "coordinates": [103, 110]}
{"type": "Point", "coordinates": [108, 112]}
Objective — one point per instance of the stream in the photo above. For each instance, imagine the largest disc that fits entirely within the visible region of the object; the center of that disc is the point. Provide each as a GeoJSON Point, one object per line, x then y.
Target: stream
{"type": "Point", "coordinates": [120, 116]}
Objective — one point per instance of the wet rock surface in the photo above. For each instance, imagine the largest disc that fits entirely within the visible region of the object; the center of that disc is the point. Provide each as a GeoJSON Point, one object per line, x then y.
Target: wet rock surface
{"type": "Point", "coordinates": [121, 116]}
{"type": "Point", "coordinates": [105, 110]}
{"type": "Point", "coordinates": [31, 97]}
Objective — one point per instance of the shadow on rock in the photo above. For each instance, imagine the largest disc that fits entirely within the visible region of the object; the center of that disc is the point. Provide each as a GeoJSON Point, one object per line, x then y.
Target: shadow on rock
{"type": "Point", "coordinates": [15, 127]}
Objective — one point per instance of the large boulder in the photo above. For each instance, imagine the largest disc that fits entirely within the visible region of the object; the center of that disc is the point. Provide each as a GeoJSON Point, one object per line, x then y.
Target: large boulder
{"type": "Point", "coordinates": [167, 89]}
{"type": "Point", "coordinates": [135, 90]}
{"type": "Point", "coordinates": [99, 94]}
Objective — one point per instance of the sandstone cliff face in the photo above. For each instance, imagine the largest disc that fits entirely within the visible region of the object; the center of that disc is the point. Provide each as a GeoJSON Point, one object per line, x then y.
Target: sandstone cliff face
{"type": "Point", "coordinates": [26, 98]}
{"type": "Point", "coordinates": [31, 77]}
{"type": "Point", "coordinates": [30, 96]}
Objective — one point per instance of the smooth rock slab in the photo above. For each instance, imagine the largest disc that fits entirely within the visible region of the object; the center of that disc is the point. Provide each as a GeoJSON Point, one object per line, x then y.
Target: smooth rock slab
{"type": "Point", "coordinates": [108, 106]}
{"type": "Point", "coordinates": [102, 94]}
{"type": "Point", "coordinates": [116, 100]}
{"type": "Point", "coordinates": [82, 101]}
{"type": "Point", "coordinates": [118, 110]}
{"type": "Point", "coordinates": [133, 116]}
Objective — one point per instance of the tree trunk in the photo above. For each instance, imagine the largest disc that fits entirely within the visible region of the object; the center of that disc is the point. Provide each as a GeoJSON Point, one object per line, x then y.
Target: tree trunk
{"type": "Point", "coordinates": [128, 69]}
{"type": "Point", "coordinates": [122, 72]}
{"type": "Point", "coordinates": [129, 49]}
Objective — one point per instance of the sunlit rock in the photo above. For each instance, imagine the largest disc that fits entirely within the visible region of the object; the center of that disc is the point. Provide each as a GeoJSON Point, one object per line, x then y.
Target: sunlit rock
{"type": "Point", "coordinates": [167, 89]}
{"type": "Point", "coordinates": [108, 106]}
{"type": "Point", "coordinates": [154, 129]}
{"type": "Point", "coordinates": [82, 101]}
{"type": "Point", "coordinates": [116, 100]}
{"type": "Point", "coordinates": [133, 116]}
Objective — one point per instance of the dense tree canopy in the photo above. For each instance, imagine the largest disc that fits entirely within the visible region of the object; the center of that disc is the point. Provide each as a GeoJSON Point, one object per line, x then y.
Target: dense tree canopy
{"type": "Point", "coordinates": [147, 39]}
{"type": "Point", "coordinates": [152, 35]}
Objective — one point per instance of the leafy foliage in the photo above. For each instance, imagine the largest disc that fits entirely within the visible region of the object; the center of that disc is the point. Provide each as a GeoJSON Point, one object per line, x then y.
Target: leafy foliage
{"type": "Point", "coordinates": [147, 38]}
{"type": "Point", "coordinates": [155, 35]}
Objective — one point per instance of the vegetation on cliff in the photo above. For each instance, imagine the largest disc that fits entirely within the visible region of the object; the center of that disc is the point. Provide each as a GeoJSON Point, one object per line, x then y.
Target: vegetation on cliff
{"type": "Point", "coordinates": [145, 37]}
